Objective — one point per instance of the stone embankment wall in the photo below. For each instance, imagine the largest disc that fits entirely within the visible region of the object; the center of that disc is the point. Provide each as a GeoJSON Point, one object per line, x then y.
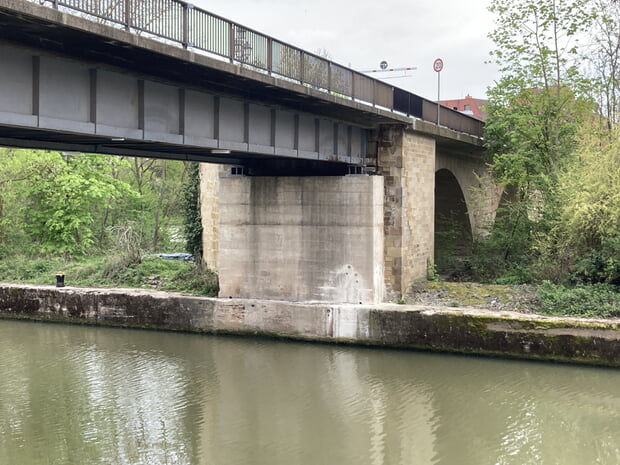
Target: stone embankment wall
{"type": "Point", "coordinates": [469, 331]}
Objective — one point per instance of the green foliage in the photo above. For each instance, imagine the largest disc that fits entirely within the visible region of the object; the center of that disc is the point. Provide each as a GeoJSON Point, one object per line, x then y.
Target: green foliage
{"type": "Point", "coordinates": [70, 204]}
{"type": "Point", "coordinates": [452, 243]}
{"type": "Point", "coordinates": [60, 196]}
{"type": "Point", "coordinates": [537, 42]}
{"type": "Point", "coordinates": [535, 113]}
{"type": "Point", "coordinates": [596, 300]}
{"type": "Point", "coordinates": [152, 273]}
{"type": "Point", "coordinates": [57, 210]}
{"type": "Point", "coordinates": [583, 242]}
{"type": "Point", "coordinates": [196, 280]}
{"type": "Point", "coordinates": [431, 271]}
{"type": "Point", "coordinates": [191, 208]}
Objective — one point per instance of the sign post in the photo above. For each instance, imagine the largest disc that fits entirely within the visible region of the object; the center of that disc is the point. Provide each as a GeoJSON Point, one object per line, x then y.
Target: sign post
{"type": "Point", "coordinates": [438, 66]}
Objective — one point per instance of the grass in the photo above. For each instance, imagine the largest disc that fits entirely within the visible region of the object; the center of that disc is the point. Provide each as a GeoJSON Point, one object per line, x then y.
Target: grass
{"type": "Point", "coordinates": [112, 272]}
{"type": "Point", "coordinates": [583, 300]}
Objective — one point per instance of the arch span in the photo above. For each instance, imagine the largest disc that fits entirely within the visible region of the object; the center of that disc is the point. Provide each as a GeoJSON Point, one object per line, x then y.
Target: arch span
{"type": "Point", "coordinates": [453, 230]}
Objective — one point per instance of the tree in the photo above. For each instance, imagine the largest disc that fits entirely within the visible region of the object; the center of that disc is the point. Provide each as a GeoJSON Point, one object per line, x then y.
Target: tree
{"type": "Point", "coordinates": [585, 236]}
{"type": "Point", "coordinates": [62, 197]}
{"type": "Point", "coordinates": [604, 59]}
{"type": "Point", "coordinates": [534, 112]}
{"type": "Point", "coordinates": [535, 108]}
{"type": "Point", "coordinates": [192, 218]}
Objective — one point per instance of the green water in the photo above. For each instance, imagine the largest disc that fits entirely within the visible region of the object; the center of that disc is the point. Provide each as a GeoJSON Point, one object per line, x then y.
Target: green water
{"type": "Point", "coordinates": [84, 395]}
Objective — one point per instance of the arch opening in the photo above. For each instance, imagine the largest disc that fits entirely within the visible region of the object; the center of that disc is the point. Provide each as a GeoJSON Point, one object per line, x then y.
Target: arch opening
{"type": "Point", "coordinates": [453, 233]}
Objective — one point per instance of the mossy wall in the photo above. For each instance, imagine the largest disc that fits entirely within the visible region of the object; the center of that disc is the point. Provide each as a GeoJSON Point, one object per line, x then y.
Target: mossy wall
{"type": "Point", "coordinates": [468, 331]}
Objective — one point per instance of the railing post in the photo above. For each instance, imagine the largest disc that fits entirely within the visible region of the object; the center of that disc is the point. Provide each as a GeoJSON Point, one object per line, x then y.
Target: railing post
{"type": "Point", "coordinates": [269, 55]}
{"type": "Point", "coordinates": [329, 77]}
{"type": "Point", "coordinates": [185, 40]}
{"type": "Point", "coordinates": [302, 67]}
{"type": "Point", "coordinates": [374, 92]}
{"type": "Point", "coordinates": [127, 15]}
{"type": "Point", "coordinates": [353, 86]}
{"type": "Point", "coordinates": [231, 42]}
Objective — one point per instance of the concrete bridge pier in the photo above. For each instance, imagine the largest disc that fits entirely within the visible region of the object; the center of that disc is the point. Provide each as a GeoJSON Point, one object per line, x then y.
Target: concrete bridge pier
{"type": "Point", "coordinates": [298, 238]}
{"type": "Point", "coordinates": [348, 238]}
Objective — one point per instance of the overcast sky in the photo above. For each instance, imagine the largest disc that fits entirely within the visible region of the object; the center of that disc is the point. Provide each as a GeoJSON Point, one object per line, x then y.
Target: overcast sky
{"type": "Point", "coordinates": [404, 33]}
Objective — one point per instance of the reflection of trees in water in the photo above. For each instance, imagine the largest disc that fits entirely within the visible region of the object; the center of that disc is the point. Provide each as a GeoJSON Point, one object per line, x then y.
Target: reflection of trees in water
{"type": "Point", "coordinates": [91, 395]}
{"type": "Point", "coordinates": [86, 399]}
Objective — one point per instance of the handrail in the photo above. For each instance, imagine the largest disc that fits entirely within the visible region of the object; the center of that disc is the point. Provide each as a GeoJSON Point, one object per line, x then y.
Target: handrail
{"type": "Point", "coordinates": [193, 27]}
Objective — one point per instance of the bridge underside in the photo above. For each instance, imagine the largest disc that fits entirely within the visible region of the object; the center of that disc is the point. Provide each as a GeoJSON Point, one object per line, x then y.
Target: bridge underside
{"type": "Point", "coordinates": [54, 103]}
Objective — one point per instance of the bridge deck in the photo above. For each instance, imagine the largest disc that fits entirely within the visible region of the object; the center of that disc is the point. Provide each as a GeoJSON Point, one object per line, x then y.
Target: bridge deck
{"type": "Point", "coordinates": [64, 35]}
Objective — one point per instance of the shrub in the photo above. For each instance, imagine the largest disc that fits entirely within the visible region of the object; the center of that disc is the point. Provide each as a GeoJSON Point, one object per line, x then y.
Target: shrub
{"type": "Point", "coordinates": [593, 300]}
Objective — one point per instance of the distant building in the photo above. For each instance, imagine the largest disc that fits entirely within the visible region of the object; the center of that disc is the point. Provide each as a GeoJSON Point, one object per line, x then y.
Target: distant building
{"type": "Point", "coordinates": [468, 105]}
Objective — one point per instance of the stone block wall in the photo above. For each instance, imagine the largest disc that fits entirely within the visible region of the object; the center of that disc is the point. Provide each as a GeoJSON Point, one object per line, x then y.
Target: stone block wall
{"type": "Point", "coordinates": [210, 211]}
{"type": "Point", "coordinates": [407, 162]}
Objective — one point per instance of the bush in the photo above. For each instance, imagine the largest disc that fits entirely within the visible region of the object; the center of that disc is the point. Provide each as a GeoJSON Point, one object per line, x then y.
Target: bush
{"type": "Point", "coordinates": [593, 300]}
{"type": "Point", "coordinates": [195, 280]}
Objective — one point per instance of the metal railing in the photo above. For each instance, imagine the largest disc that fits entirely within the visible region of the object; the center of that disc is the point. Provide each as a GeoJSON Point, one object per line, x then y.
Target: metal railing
{"type": "Point", "coordinates": [189, 26]}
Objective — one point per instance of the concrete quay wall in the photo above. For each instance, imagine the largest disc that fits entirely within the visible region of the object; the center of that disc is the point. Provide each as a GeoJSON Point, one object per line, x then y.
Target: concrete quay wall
{"type": "Point", "coordinates": [467, 331]}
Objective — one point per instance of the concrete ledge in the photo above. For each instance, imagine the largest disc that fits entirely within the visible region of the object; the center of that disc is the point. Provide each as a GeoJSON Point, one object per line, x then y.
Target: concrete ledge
{"type": "Point", "coordinates": [468, 331]}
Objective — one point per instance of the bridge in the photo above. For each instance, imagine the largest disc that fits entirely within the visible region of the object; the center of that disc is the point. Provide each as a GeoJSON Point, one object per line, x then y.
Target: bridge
{"type": "Point", "coordinates": [333, 178]}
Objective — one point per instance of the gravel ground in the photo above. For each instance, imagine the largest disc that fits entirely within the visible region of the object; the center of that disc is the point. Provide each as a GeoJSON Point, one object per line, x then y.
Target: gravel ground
{"type": "Point", "coordinates": [516, 298]}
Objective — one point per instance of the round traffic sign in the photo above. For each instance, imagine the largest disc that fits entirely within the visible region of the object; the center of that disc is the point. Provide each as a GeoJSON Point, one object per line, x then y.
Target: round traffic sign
{"type": "Point", "coordinates": [438, 65]}
{"type": "Point", "coordinates": [383, 64]}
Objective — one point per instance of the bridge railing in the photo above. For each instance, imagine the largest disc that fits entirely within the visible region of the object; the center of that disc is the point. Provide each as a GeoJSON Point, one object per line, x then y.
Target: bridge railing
{"type": "Point", "coordinates": [189, 26]}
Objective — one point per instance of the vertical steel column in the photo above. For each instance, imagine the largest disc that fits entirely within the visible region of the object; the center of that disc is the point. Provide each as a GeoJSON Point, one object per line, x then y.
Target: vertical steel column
{"type": "Point", "coordinates": [216, 118]}
{"type": "Point", "coordinates": [336, 139]}
{"type": "Point", "coordinates": [93, 95]}
{"type": "Point", "coordinates": [296, 135]}
{"type": "Point", "coordinates": [246, 123]}
{"type": "Point", "coordinates": [317, 135]}
{"type": "Point", "coordinates": [141, 115]}
{"type": "Point", "coordinates": [349, 141]}
{"type": "Point", "coordinates": [182, 111]}
{"type": "Point", "coordinates": [272, 139]}
{"type": "Point", "coordinates": [36, 87]}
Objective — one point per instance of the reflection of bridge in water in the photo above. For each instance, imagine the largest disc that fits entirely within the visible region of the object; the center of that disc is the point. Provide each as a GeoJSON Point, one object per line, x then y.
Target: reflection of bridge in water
{"type": "Point", "coordinates": [161, 78]}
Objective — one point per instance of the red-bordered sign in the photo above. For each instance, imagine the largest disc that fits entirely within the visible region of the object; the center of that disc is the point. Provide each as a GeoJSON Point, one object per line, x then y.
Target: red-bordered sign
{"type": "Point", "coordinates": [438, 65]}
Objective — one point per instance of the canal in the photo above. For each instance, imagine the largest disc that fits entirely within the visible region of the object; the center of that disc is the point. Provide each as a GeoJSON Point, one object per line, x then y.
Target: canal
{"type": "Point", "coordinates": [87, 395]}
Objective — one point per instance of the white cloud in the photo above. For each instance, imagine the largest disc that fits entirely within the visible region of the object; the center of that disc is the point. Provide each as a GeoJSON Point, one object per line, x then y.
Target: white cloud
{"type": "Point", "coordinates": [403, 32]}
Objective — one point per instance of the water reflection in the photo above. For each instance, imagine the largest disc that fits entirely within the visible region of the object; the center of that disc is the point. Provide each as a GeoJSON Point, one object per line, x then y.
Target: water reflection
{"type": "Point", "coordinates": [92, 395]}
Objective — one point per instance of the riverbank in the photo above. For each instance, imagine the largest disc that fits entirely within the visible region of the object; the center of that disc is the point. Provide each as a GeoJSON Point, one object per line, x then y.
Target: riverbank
{"type": "Point", "coordinates": [422, 327]}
